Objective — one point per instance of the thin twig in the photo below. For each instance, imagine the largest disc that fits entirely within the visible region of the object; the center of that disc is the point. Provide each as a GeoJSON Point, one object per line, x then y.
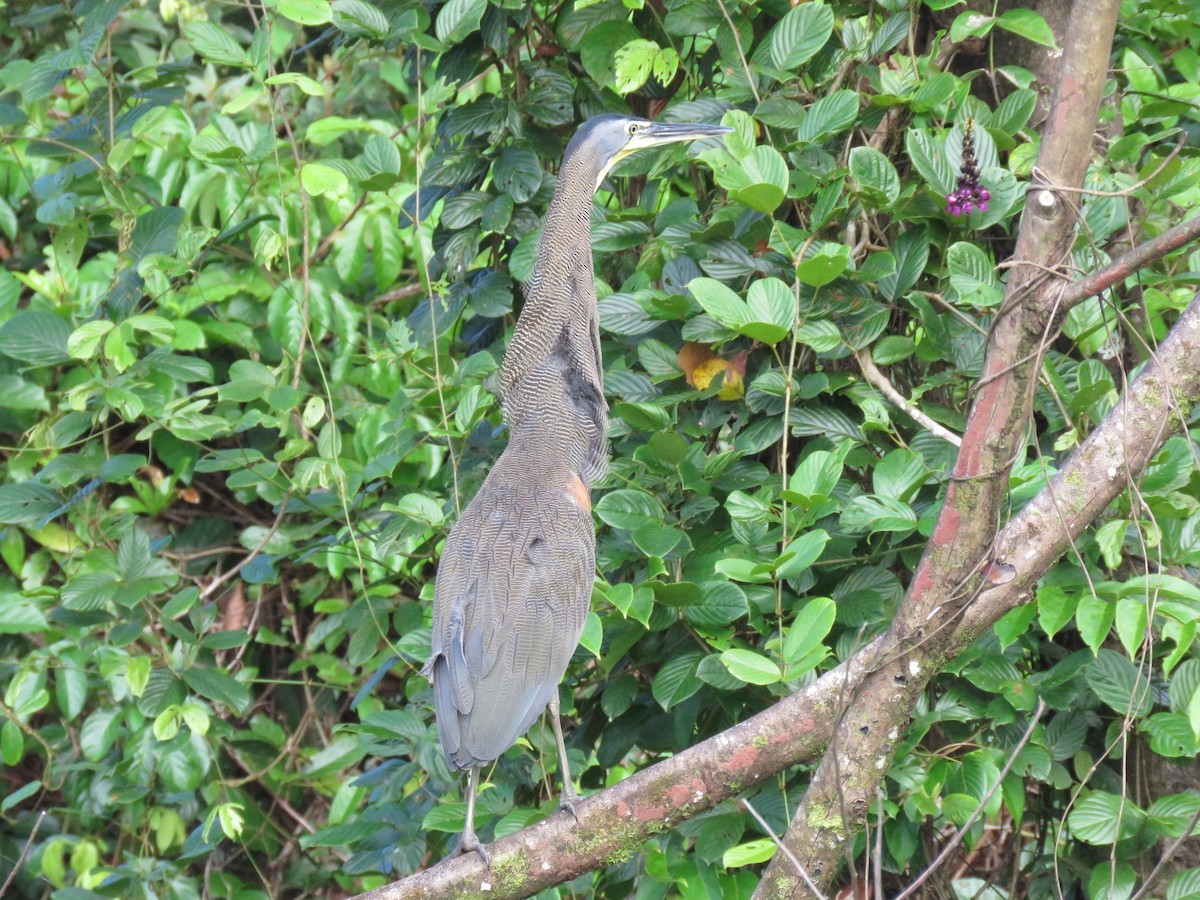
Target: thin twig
{"type": "Point", "coordinates": [881, 383]}
{"type": "Point", "coordinates": [737, 40]}
{"type": "Point", "coordinates": [745, 804]}
{"type": "Point", "coordinates": [24, 852]}
{"type": "Point", "coordinates": [1166, 857]}
{"type": "Point", "coordinates": [879, 844]}
{"type": "Point", "coordinates": [1124, 192]}
{"type": "Point", "coordinates": [225, 576]}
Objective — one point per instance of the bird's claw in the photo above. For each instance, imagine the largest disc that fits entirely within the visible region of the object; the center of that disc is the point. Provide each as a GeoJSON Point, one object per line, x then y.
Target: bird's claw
{"type": "Point", "coordinates": [567, 802]}
{"type": "Point", "coordinates": [470, 843]}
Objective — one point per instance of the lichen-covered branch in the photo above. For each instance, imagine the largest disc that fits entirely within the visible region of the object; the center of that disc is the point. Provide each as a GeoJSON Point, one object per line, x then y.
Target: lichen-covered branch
{"type": "Point", "coordinates": [1128, 263]}
{"type": "Point", "coordinates": [614, 823]}
{"type": "Point", "coordinates": [958, 559]}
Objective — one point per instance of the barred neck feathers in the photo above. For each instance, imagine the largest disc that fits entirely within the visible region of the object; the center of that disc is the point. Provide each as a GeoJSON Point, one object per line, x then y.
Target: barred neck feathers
{"type": "Point", "coordinates": [566, 232]}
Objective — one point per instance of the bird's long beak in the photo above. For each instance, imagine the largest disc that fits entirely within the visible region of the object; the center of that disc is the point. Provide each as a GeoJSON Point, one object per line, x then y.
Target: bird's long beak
{"type": "Point", "coordinates": [657, 133]}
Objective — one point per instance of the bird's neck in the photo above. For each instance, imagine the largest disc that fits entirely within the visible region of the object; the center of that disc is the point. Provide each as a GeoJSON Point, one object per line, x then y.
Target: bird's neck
{"type": "Point", "coordinates": [566, 233]}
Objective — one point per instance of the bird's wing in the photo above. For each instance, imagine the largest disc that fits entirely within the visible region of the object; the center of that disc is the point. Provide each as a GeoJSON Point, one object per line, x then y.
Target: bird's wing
{"type": "Point", "coordinates": [510, 607]}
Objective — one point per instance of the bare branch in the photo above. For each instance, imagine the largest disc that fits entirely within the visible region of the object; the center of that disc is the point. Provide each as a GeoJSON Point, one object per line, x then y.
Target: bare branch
{"type": "Point", "coordinates": [880, 382]}
{"type": "Point", "coordinates": [1126, 264]}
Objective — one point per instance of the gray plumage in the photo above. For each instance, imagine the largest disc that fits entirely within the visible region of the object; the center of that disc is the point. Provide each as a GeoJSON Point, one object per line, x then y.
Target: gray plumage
{"type": "Point", "coordinates": [515, 579]}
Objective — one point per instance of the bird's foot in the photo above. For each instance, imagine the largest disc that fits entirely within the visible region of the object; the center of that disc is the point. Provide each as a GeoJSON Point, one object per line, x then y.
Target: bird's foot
{"type": "Point", "coordinates": [470, 843]}
{"type": "Point", "coordinates": [567, 802]}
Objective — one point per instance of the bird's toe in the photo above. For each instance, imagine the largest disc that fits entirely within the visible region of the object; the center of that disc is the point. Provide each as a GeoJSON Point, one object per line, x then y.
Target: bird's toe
{"type": "Point", "coordinates": [469, 843]}
{"type": "Point", "coordinates": [567, 802]}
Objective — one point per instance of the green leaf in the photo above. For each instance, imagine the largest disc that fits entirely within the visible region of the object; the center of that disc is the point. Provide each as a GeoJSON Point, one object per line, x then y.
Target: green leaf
{"type": "Point", "coordinates": [771, 307]}
{"type": "Point", "coordinates": [893, 349]}
{"type": "Point", "coordinates": [750, 667]}
{"type": "Point", "coordinates": [816, 476]}
{"type": "Point", "coordinates": [459, 18]}
{"type": "Point", "coordinates": [91, 590]}
{"type": "Point", "coordinates": [359, 18]}
{"type": "Point", "coordinates": [1130, 621]}
{"type": "Point", "coordinates": [1097, 817]}
{"type": "Point", "coordinates": [1028, 24]}
{"type": "Point", "coordinates": [973, 275]}
{"type": "Point", "coordinates": [632, 63]}
{"type": "Point", "coordinates": [598, 52]}
{"type": "Point", "coordinates": [445, 817]}
{"type": "Point", "coordinates": [1056, 607]}
{"type": "Point", "coordinates": [219, 687]}
{"type": "Point", "coordinates": [720, 302]}
{"type": "Point", "coordinates": [823, 264]}
{"type": "Point", "coordinates": [593, 634]}
{"type": "Point", "coordinates": [830, 115]}
{"type": "Point", "coordinates": [808, 630]}
{"type": "Point", "coordinates": [1117, 682]}
{"type": "Point", "coordinates": [12, 743]}
{"type": "Point", "coordinates": [215, 44]}
{"type": "Point", "coordinates": [721, 602]}
{"type": "Point", "coordinates": [1185, 885]}
{"type": "Point", "coordinates": [1013, 112]}
{"type": "Point", "coordinates": [1094, 617]}
{"type": "Point", "coordinates": [36, 337]}
{"type": "Point", "coordinates": [871, 514]}
{"type": "Point", "coordinates": [84, 342]}
{"type": "Point", "coordinates": [971, 24]}
{"type": "Point", "coordinates": [750, 853]}
{"type": "Point", "coordinates": [911, 250]}
{"type": "Point", "coordinates": [764, 180]}
{"type": "Point", "coordinates": [517, 173]}
{"type": "Point", "coordinates": [798, 36]}
{"type": "Point", "coordinates": [1171, 735]}
{"type": "Point", "coordinates": [99, 731]}
{"type": "Point", "coordinates": [629, 509]}
{"type": "Point", "coordinates": [380, 155]}
{"type": "Point", "coordinates": [1170, 816]}
{"type": "Point", "coordinates": [309, 86]}
{"type": "Point", "coordinates": [26, 503]}
{"type": "Point", "coordinates": [20, 795]}
{"type": "Point", "coordinates": [305, 12]}
{"type": "Point", "coordinates": [928, 156]}
{"type": "Point", "coordinates": [801, 553]}
{"type": "Point", "coordinates": [319, 179]}
{"type": "Point", "coordinates": [676, 680]}
{"type": "Point", "coordinates": [619, 695]}
{"type": "Point", "coordinates": [876, 176]}
{"type": "Point", "coordinates": [71, 689]}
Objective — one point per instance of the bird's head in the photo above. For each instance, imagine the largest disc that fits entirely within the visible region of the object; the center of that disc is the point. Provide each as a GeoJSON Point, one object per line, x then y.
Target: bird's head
{"type": "Point", "coordinates": [603, 141]}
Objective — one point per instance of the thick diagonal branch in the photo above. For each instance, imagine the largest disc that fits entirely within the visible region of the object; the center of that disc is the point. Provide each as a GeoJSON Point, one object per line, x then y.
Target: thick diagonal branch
{"type": "Point", "coordinates": [958, 559]}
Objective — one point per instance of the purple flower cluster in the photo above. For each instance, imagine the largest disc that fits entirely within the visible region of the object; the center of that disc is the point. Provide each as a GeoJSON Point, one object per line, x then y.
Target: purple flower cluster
{"type": "Point", "coordinates": [970, 194]}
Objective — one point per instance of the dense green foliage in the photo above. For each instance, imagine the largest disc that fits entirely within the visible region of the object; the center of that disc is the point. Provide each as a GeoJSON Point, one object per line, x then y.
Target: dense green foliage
{"type": "Point", "coordinates": [258, 266]}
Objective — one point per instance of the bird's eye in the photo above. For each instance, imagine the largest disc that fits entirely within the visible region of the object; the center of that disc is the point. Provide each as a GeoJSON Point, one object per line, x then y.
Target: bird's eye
{"type": "Point", "coordinates": [633, 128]}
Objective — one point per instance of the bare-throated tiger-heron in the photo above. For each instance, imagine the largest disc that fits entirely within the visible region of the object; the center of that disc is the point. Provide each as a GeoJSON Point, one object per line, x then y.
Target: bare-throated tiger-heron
{"type": "Point", "coordinates": [515, 579]}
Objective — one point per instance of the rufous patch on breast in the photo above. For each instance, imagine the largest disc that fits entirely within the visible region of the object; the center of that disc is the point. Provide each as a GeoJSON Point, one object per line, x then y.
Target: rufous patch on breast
{"type": "Point", "coordinates": [578, 492]}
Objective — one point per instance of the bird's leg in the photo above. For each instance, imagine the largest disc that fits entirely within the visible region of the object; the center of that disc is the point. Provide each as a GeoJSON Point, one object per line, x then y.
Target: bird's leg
{"type": "Point", "coordinates": [469, 840]}
{"type": "Point", "coordinates": [569, 798]}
